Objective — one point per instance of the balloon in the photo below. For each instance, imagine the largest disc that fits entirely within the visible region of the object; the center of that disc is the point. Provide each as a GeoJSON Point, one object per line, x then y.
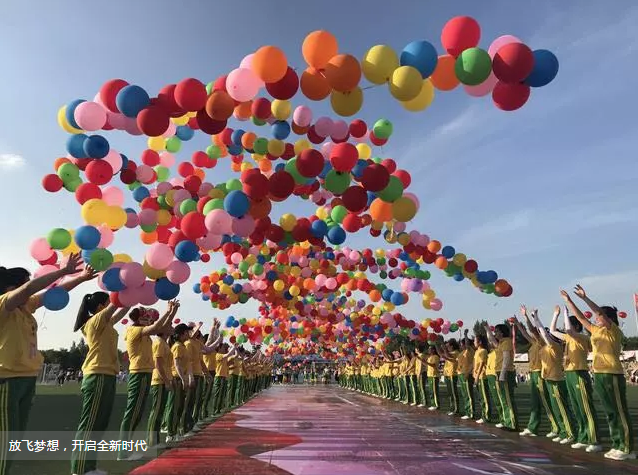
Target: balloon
{"type": "Point", "coordinates": [510, 97]}
{"type": "Point", "coordinates": [302, 116]}
{"type": "Point", "coordinates": [242, 84]}
{"type": "Point", "coordinates": [108, 93]}
{"type": "Point", "coordinates": [269, 63]}
{"type": "Point", "coordinates": [87, 237]}
{"type": "Point", "coordinates": [343, 157]}
{"type": "Point", "coordinates": [286, 87]}
{"type": "Point", "coordinates": [348, 103]}
{"type": "Point", "coordinates": [59, 239]}
{"type": "Point", "coordinates": [310, 163]}
{"type": "Point", "coordinates": [236, 203]}
{"type": "Point", "coordinates": [178, 272]}
{"type": "Point", "coordinates": [375, 178]}
{"type": "Point", "coordinates": [545, 69]}
{"type": "Point", "coordinates": [473, 66]}
{"type": "Point", "coordinates": [423, 100]}
{"type": "Point", "coordinates": [405, 83]}
{"type": "Point", "coordinates": [190, 94]}
{"type": "Point", "coordinates": [130, 100]}
{"type": "Point", "coordinates": [459, 34]}
{"type": "Point", "coordinates": [90, 116]}
{"type": "Point", "coordinates": [153, 121]}
{"type": "Point", "coordinates": [314, 85]}
{"type": "Point", "coordinates": [343, 72]}
{"type": "Point", "coordinates": [444, 76]}
{"type": "Point", "coordinates": [165, 289]}
{"type": "Point", "coordinates": [96, 146]}
{"type": "Point", "coordinates": [378, 64]}
{"type": "Point", "coordinates": [513, 63]}
{"type": "Point", "coordinates": [318, 48]}
{"type": "Point", "coordinates": [422, 56]}
{"type": "Point", "coordinates": [382, 129]}
{"type": "Point", "coordinates": [56, 298]}
{"type": "Point", "coordinates": [132, 274]}
{"type": "Point", "coordinates": [482, 89]}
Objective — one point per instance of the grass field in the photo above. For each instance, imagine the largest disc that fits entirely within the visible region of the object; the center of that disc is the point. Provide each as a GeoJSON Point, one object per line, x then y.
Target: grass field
{"type": "Point", "coordinates": [58, 409]}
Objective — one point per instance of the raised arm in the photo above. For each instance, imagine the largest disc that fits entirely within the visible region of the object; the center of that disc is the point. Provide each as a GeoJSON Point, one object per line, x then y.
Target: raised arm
{"type": "Point", "coordinates": [552, 327]}
{"type": "Point", "coordinates": [593, 306]}
{"type": "Point", "coordinates": [157, 327]}
{"type": "Point", "coordinates": [117, 314]}
{"type": "Point", "coordinates": [523, 331]}
{"type": "Point", "coordinates": [587, 325]}
{"type": "Point", "coordinates": [539, 326]}
{"type": "Point", "coordinates": [490, 336]}
{"type": "Point", "coordinates": [568, 324]}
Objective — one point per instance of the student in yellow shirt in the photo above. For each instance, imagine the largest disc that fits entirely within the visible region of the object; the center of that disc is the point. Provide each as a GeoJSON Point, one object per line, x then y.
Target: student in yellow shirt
{"type": "Point", "coordinates": [194, 345]}
{"type": "Point", "coordinates": [432, 363]}
{"type": "Point", "coordinates": [213, 341]}
{"type": "Point", "coordinates": [579, 387]}
{"type": "Point", "coordinates": [220, 384]}
{"type": "Point", "coordinates": [20, 360]}
{"type": "Point", "coordinates": [492, 379]}
{"type": "Point", "coordinates": [421, 369]}
{"type": "Point", "coordinates": [465, 365]}
{"type": "Point", "coordinates": [450, 353]}
{"type": "Point", "coordinates": [506, 375]}
{"type": "Point", "coordinates": [609, 376]}
{"type": "Point", "coordinates": [480, 377]}
{"type": "Point", "coordinates": [139, 347]}
{"type": "Point", "coordinates": [96, 319]}
{"type": "Point", "coordinates": [182, 377]}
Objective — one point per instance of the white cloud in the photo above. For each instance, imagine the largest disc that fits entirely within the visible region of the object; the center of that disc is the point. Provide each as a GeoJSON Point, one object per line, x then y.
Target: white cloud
{"type": "Point", "coordinates": [11, 160]}
{"type": "Point", "coordinates": [611, 284]}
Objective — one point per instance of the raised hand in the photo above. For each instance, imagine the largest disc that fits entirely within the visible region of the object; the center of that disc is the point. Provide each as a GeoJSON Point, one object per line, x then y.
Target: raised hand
{"type": "Point", "coordinates": [72, 264]}
{"type": "Point", "coordinates": [557, 310]}
{"type": "Point", "coordinates": [565, 296]}
{"type": "Point", "coordinates": [578, 290]}
{"type": "Point", "coordinates": [523, 310]}
{"type": "Point", "coordinates": [89, 273]}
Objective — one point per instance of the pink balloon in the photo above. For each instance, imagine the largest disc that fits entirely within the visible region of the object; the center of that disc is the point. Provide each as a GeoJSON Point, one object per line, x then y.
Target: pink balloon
{"type": "Point", "coordinates": [320, 280]}
{"type": "Point", "coordinates": [132, 274]}
{"type": "Point", "coordinates": [117, 121]}
{"type": "Point", "coordinates": [40, 249]}
{"type": "Point", "coordinates": [144, 173]}
{"type": "Point", "coordinates": [167, 159]}
{"type": "Point", "coordinates": [399, 227]}
{"type": "Point", "coordinates": [113, 196]}
{"type": "Point", "coordinates": [106, 236]}
{"type": "Point", "coordinates": [178, 272]}
{"type": "Point", "coordinates": [323, 126]}
{"type": "Point", "coordinates": [129, 297]}
{"type": "Point", "coordinates": [219, 222]}
{"type": "Point", "coordinates": [147, 293]}
{"type": "Point", "coordinates": [501, 41]}
{"type": "Point", "coordinates": [331, 283]}
{"type": "Point", "coordinates": [247, 63]}
{"type": "Point", "coordinates": [131, 126]}
{"type": "Point", "coordinates": [339, 130]}
{"type": "Point", "coordinates": [132, 220]}
{"type": "Point", "coordinates": [90, 116]}
{"type": "Point", "coordinates": [436, 305]}
{"type": "Point", "coordinates": [148, 217]}
{"type": "Point", "coordinates": [244, 226]}
{"type": "Point", "coordinates": [242, 84]}
{"type": "Point", "coordinates": [172, 128]}
{"type": "Point", "coordinates": [163, 188]}
{"type": "Point", "coordinates": [210, 241]}
{"type": "Point", "coordinates": [302, 116]}
{"type": "Point", "coordinates": [114, 159]}
{"type": "Point", "coordinates": [204, 189]}
{"type": "Point", "coordinates": [482, 89]}
{"type": "Point", "coordinates": [236, 258]}
{"type": "Point", "coordinates": [159, 256]}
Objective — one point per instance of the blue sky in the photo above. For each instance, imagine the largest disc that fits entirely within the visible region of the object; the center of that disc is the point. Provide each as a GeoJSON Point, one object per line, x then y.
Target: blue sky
{"type": "Point", "coordinates": [546, 195]}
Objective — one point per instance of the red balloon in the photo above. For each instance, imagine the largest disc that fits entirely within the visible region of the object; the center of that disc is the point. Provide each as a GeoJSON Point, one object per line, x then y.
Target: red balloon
{"type": "Point", "coordinates": [99, 172]}
{"type": "Point", "coordinates": [128, 176]}
{"type": "Point", "coordinates": [260, 108]}
{"type": "Point", "coordinates": [390, 164]}
{"type": "Point", "coordinates": [108, 93]}
{"type": "Point", "coordinates": [310, 163]}
{"type": "Point", "coordinates": [52, 183]}
{"type": "Point", "coordinates": [313, 136]}
{"type": "Point", "coordinates": [280, 185]}
{"type": "Point", "coordinates": [286, 87]}
{"type": "Point", "coordinates": [86, 192]}
{"type": "Point", "coordinates": [220, 84]}
{"type": "Point", "coordinates": [153, 121]}
{"type": "Point", "coordinates": [185, 169]}
{"type": "Point", "coordinates": [351, 223]}
{"type": "Point", "coordinates": [150, 158]}
{"type": "Point", "coordinates": [190, 94]}
{"type": "Point", "coordinates": [510, 97]}
{"type": "Point", "coordinates": [343, 157]}
{"type": "Point", "coordinates": [375, 177]}
{"type": "Point", "coordinates": [470, 266]}
{"type": "Point", "coordinates": [177, 321]}
{"type": "Point", "coordinates": [206, 124]}
{"type": "Point", "coordinates": [357, 128]}
{"type": "Point", "coordinates": [177, 237]}
{"type": "Point", "coordinates": [166, 100]}
{"type": "Point", "coordinates": [205, 257]}
{"type": "Point", "coordinates": [355, 199]}
{"type": "Point", "coordinates": [622, 314]}
{"type": "Point", "coordinates": [301, 231]}
{"type": "Point", "coordinates": [200, 159]}
{"type": "Point", "coordinates": [192, 225]}
{"type": "Point", "coordinates": [513, 62]}
{"type": "Point", "coordinates": [275, 233]}
{"type": "Point", "coordinates": [226, 136]}
{"type": "Point", "coordinates": [376, 140]}
{"type": "Point", "coordinates": [192, 184]}
{"type": "Point", "coordinates": [289, 151]}
{"type": "Point", "coordinates": [404, 176]}
{"type": "Point", "coordinates": [254, 184]}
{"type": "Point", "coordinates": [459, 34]}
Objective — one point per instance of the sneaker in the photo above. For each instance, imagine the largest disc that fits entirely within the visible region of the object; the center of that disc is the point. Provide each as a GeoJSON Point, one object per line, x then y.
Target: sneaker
{"type": "Point", "coordinates": [480, 421]}
{"type": "Point", "coordinates": [163, 430]}
{"type": "Point", "coordinates": [611, 453]}
{"type": "Point", "coordinates": [579, 445]}
{"type": "Point", "coordinates": [432, 408]}
{"type": "Point", "coordinates": [465, 418]}
{"type": "Point", "coordinates": [450, 413]}
{"type": "Point", "coordinates": [551, 435]}
{"type": "Point", "coordinates": [189, 434]}
{"type": "Point", "coordinates": [421, 405]}
{"type": "Point", "coordinates": [567, 440]}
{"type": "Point", "coordinates": [594, 448]}
{"type": "Point", "coordinates": [412, 404]}
{"type": "Point", "coordinates": [619, 455]}
{"type": "Point", "coordinates": [557, 439]}
{"type": "Point", "coordinates": [525, 433]}
{"type": "Point", "coordinates": [499, 426]}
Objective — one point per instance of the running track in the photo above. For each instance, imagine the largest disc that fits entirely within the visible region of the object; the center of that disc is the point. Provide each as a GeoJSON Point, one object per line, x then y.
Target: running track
{"type": "Point", "coordinates": [316, 430]}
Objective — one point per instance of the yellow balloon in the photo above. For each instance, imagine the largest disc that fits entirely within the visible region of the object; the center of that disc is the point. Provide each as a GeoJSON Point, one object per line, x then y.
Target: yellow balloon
{"type": "Point", "coordinates": [404, 209]}
{"type": "Point", "coordinates": [287, 221]}
{"type": "Point", "coordinates": [151, 273]}
{"type": "Point", "coordinates": [116, 217]}
{"type": "Point", "coordinates": [404, 239]}
{"type": "Point", "coordinates": [364, 151]}
{"type": "Point", "coordinates": [214, 193]}
{"type": "Point", "coordinates": [276, 147]}
{"type": "Point", "coordinates": [388, 306]}
{"type": "Point", "coordinates": [183, 120]}
{"type": "Point", "coordinates": [156, 143]}
{"type": "Point", "coordinates": [459, 259]}
{"type": "Point", "coordinates": [378, 64]}
{"type": "Point", "coordinates": [64, 124]}
{"type": "Point", "coordinates": [405, 83]}
{"type": "Point", "coordinates": [72, 248]}
{"type": "Point", "coordinates": [122, 258]}
{"type": "Point", "coordinates": [94, 212]}
{"type": "Point", "coordinates": [294, 290]}
{"type": "Point", "coordinates": [246, 166]}
{"type": "Point", "coordinates": [280, 109]}
{"type": "Point", "coordinates": [423, 100]}
{"type": "Point", "coordinates": [346, 104]}
{"type": "Point", "coordinates": [163, 217]}
{"type": "Point", "coordinates": [278, 285]}
{"type": "Point", "coordinates": [321, 213]}
{"type": "Point", "coordinates": [301, 145]}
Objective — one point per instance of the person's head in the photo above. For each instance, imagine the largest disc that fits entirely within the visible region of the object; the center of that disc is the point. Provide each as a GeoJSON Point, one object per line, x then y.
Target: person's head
{"type": "Point", "coordinates": [180, 333]}
{"type": "Point", "coordinates": [91, 304]}
{"type": "Point", "coordinates": [141, 317]}
{"type": "Point", "coordinates": [11, 279]}
{"type": "Point", "coordinates": [575, 324]}
{"type": "Point", "coordinates": [501, 331]}
{"type": "Point", "coordinates": [480, 341]}
{"type": "Point", "coordinates": [452, 344]}
{"type": "Point", "coordinates": [432, 350]}
{"type": "Point", "coordinates": [609, 313]}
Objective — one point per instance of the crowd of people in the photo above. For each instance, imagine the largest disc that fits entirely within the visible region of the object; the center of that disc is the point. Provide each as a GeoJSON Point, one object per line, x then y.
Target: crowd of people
{"type": "Point", "coordinates": [308, 374]}
{"type": "Point", "coordinates": [190, 377]}
{"type": "Point", "coordinates": [480, 377]}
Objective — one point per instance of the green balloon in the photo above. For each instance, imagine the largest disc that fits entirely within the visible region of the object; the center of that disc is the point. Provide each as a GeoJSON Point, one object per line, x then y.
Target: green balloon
{"type": "Point", "coordinates": [209, 87]}
{"type": "Point", "coordinates": [68, 172]}
{"type": "Point", "coordinates": [72, 185]}
{"type": "Point", "coordinates": [161, 200]}
{"type": "Point", "coordinates": [377, 160]}
{"type": "Point", "coordinates": [257, 121]}
{"type": "Point", "coordinates": [382, 129]}
{"type": "Point", "coordinates": [337, 182]}
{"type": "Point", "coordinates": [101, 259]}
{"type": "Point", "coordinates": [173, 144]}
{"type": "Point", "coordinates": [242, 321]}
{"type": "Point", "coordinates": [243, 266]}
{"type": "Point", "coordinates": [392, 191]}
{"type": "Point", "coordinates": [216, 203]}
{"type": "Point", "coordinates": [134, 186]}
{"type": "Point", "coordinates": [473, 66]}
{"type": "Point", "coordinates": [257, 269]}
{"type": "Point", "coordinates": [162, 172]}
{"type": "Point", "coordinates": [454, 327]}
{"type": "Point", "coordinates": [187, 206]}
{"type": "Point", "coordinates": [59, 238]}
{"type": "Point", "coordinates": [261, 146]}
{"type": "Point", "coordinates": [291, 167]}
{"type": "Point", "coordinates": [213, 152]}
{"type": "Point", "coordinates": [148, 228]}
{"type": "Point", "coordinates": [338, 213]}
{"type": "Point", "coordinates": [383, 274]}
{"type": "Point", "coordinates": [243, 297]}
{"type": "Point", "coordinates": [222, 186]}
{"type": "Point", "coordinates": [233, 184]}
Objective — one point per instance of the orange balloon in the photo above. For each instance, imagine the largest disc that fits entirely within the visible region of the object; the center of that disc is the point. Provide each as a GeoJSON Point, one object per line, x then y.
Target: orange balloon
{"type": "Point", "coordinates": [243, 111]}
{"type": "Point", "coordinates": [236, 167]}
{"type": "Point", "coordinates": [265, 165]}
{"type": "Point", "coordinates": [59, 162]}
{"type": "Point", "coordinates": [434, 246]}
{"type": "Point", "coordinates": [148, 238]}
{"type": "Point", "coordinates": [314, 85]}
{"type": "Point", "coordinates": [220, 105]}
{"type": "Point", "coordinates": [318, 47]}
{"type": "Point", "coordinates": [217, 140]}
{"type": "Point", "coordinates": [260, 209]}
{"type": "Point", "coordinates": [375, 295]}
{"type": "Point", "coordinates": [444, 77]}
{"type": "Point", "coordinates": [269, 64]}
{"type": "Point", "coordinates": [441, 262]}
{"type": "Point", "coordinates": [380, 210]}
{"type": "Point", "coordinates": [248, 140]}
{"type": "Point", "coordinates": [199, 173]}
{"type": "Point", "coordinates": [299, 130]}
{"type": "Point", "coordinates": [343, 72]}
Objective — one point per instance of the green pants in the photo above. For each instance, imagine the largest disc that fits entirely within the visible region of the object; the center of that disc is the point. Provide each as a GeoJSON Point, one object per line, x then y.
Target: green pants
{"type": "Point", "coordinates": [207, 397]}
{"type": "Point", "coordinates": [433, 391]}
{"type": "Point", "coordinates": [219, 390]}
{"type": "Point", "coordinates": [239, 390]}
{"type": "Point", "coordinates": [137, 389]}
{"type": "Point", "coordinates": [612, 391]}
{"type": "Point", "coordinates": [580, 390]}
{"type": "Point", "coordinates": [230, 392]}
{"type": "Point", "coordinates": [539, 401]}
{"type": "Point", "coordinates": [505, 392]}
{"type": "Point", "coordinates": [98, 394]}
{"type": "Point", "coordinates": [414, 390]}
{"type": "Point", "coordinates": [453, 393]}
{"type": "Point", "coordinates": [159, 396]}
{"type": "Point", "coordinates": [403, 389]}
{"type": "Point", "coordinates": [486, 400]}
{"type": "Point", "coordinates": [175, 408]}
{"type": "Point", "coordinates": [492, 384]}
{"type": "Point", "coordinates": [196, 401]}
{"type": "Point", "coordinates": [466, 383]}
{"type": "Point", "coordinates": [422, 381]}
{"type": "Point", "coordinates": [16, 396]}
{"type": "Point", "coordinates": [560, 408]}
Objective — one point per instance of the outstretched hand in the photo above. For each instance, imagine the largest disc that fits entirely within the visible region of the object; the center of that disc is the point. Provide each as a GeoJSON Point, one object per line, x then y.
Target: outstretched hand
{"type": "Point", "coordinates": [578, 290]}
{"type": "Point", "coordinates": [565, 296]}
{"type": "Point", "coordinates": [89, 273]}
{"type": "Point", "coordinates": [72, 264]}
{"type": "Point", "coordinates": [557, 310]}
{"type": "Point", "coordinates": [523, 310]}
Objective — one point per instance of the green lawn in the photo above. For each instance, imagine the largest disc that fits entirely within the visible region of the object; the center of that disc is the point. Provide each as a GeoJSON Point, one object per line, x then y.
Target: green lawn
{"type": "Point", "coordinates": [58, 409]}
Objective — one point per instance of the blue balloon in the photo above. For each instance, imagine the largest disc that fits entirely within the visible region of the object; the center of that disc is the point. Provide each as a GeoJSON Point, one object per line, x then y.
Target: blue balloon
{"type": "Point", "coordinates": [359, 167]}
{"type": "Point", "coordinates": [186, 251]}
{"type": "Point", "coordinates": [228, 279]}
{"type": "Point", "coordinates": [371, 198]}
{"type": "Point", "coordinates": [165, 289]}
{"type": "Point", "coordinates": [130, 100]}
{"type": "Point", "coordinates": [236, 136]}
{"type": "Point", "coordinates": [140, 193]}
{"type": "Point", "coordinates": [111, 280]}
{"type": "Point", "coordinates": [422, 56]}
{"type": "Point", "coordinates": [70, 112]}
{"type": "Point", "coordinates": [205, 298]}
{"type": "Point", "coordinates": [448, 252]}
{"type": "Point", "coordinates": [237, 288]}
{"type": "Point", "coordinates": [234, 149]}
{"type": "Point", "coordinates": [235, 323]}
{"type": "Point", "coordinates": [271, 275]}
{"type": "Point", "coordinates": [459, 277]}
{"type": "Point", "coordinates": [56, 298]}
{"type": "Point", "coordinates": [87, 237]}
{"type": "Point", "coordinates": [319, 228]}
{"type": "Point", "coordinates": [124, 161]}
{"type": "Point", "coordinates": [236, 203]}
{"type": "Point", "coordinates": [545, 68]}
{"type": "Point", "coordinates": [397, 298]}
{"type": "Point", "coordinates": [184, 133]}
{"type": "Point", "coordinates": [96, 146]}
{"type": "Point", "coordinates": [86, 255]}
{"type": "Point", "coordinates": [197, 288]}
{"type": "Point", "coordinates": [75, 145]}
{"type": "Point", "coordinates": [326, 168]}
{"type": "Point", "coordinates": [336, 235]}
{"type": "Point", "coordinates": [491, 276]}
{"type": "Point", "coordinates": [386, 294]}
{"type": "Point", "coordinates": [280, 129]}
{"type": "Point", "coordinates": [280, 167]}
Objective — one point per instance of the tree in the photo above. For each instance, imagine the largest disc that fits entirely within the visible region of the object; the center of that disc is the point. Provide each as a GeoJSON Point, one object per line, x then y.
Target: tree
{"type": "Point", "coordinates": [479, 327]}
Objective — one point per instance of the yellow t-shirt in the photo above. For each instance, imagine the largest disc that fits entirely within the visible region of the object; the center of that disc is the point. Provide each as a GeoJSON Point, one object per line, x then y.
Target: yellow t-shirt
{"type": "Point", "coordinates": [433, 371]}
{"type": "Point", "coordinates": [534, 356]}
{"type": "Point", "coordinates": [450, 366]}
{"type": "Point", "coordinates": [161, 350]}
{"type": "Point", "coordinates": [490, 368]}
{"type": "Point", "coordinates": [221, 366]}
{"type": "Point", "coordinates": [504, 346]}
{"type": "Point", "coordinates": [101, 338]}
{"type": "Point", "coordinates": [418, 366]}
{"type": "Point", "coordinates": [209, 361]}
{"type": "Point", "coordinates": [234, 367]}
{"type": "Point", "coordinates": [576, 351]}
{"type": "Point", "coordinates": [179, 351]}
{"type": "Point", "coordinates": [552, 362]}
{"type": "Point", "coordinates": [140, 350]}
{"type": "Point", "coordinates": [19, 355]}
{"type": "Point", "coordinates": [606, 345]}
{"type": "Point", "coordinates": [465, 363]}
{"type": "Point", "coordinates": [195, 347]}
{"type": "Point", "coordinates": [480, 358]}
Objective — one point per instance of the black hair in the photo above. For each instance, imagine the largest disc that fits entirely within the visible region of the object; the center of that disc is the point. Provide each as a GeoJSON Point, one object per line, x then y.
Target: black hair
{"type": "Point", "coordinates": [178, 331]}
{"type": "Point", "coordinates": [482, 340]}
{"type": "Point", "coordinates": [611, 313]}
{"type": "Point", "coordinates": [504, 329]}
{"type": "Point", "coordinates": [453, 343]}
{"type": "Point", "coordinates": [136, 313]}
{"type": "Point", "coordinates": [13, 277]}
{"type": "Point", "coordinates": [89, 307]}
{"type": "Point", "coordinates": [575, 323]}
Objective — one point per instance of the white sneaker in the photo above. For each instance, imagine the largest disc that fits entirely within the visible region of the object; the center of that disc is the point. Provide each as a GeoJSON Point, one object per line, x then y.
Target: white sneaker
{"type": "Point", "coordinates": [551, 435]}
{"type": "Point", "coordinates": [619, 455]}
{"type": "Point", "coordinates": [567, 440]}
{"type": "Point", "coordinates": [525, 433]}
{"type": "Point", "coordinates": [189, 434]}
{"type": "Point", "coordinates": [557, 439]}
{"type": "Point", "coordinates": [610, 454]}
{"type": "Point", "coordinates": [480, 421]}
{"type": "Point", "coordinates": [594, 448]}
{"type": "Point", "coordinates": [421, 405]}
{"type": "Point", "coordinates": [465, 418]}
{"type": "Point", "coordinates": [431, 408]}
{"type": "Point", "coordinates": [163, 431]}
{"type": "Point", "coordinates": [499, 426]}
{"type": "Point", "coordinates": [412, 404]}
{"type": "Point", "coordinates": [579, 445]}
{"type": "Point", "coordinates": [450, 413]}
